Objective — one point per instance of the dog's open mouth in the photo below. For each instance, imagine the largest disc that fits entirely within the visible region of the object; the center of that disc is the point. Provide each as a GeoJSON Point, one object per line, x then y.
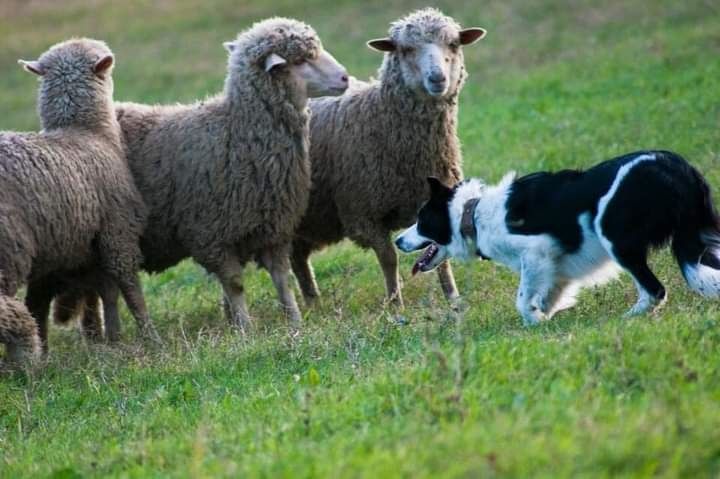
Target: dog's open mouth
{"type": "Point", "coordinates": [426, 259]}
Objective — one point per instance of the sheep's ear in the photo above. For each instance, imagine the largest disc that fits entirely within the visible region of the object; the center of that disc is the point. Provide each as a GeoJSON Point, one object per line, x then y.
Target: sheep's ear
{"type": "Point", "coordinates": [382, 45]}
{"type": "Point", "coordinates": [274, 60]}
{"type": "Point", "coordinates": [32, 67]}
{"type": "Point", "coordinates": [102, 66]}
{"type": "Point", "coordinates": [230, 46]}
{"type": "Point", "coordinates": [437, 188]}
{"type": "Point", "coordinates": [471, 35]}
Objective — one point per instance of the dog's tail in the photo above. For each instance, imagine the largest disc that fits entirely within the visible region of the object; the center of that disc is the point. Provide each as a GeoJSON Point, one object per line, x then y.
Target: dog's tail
{"type": "Point", "coordinates": [697, 245]}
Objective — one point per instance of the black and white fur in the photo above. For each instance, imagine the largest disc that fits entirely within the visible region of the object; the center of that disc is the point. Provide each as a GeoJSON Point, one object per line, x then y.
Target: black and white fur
{"type": "Point", "coordinates": [562, 231]}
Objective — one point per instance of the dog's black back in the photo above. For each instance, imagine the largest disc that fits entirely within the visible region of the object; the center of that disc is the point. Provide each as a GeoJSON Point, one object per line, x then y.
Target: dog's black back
{"type": "Point", "coordinates": [662, 197]}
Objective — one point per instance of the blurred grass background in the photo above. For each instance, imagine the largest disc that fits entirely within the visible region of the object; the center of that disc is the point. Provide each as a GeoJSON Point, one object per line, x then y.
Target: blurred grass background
{"type": "Point", "coordinates": [556, 84]}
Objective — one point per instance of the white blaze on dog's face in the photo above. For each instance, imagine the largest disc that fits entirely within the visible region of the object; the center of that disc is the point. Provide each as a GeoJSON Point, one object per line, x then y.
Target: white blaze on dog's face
{"type": "Point", "coordinates": [433, 230]}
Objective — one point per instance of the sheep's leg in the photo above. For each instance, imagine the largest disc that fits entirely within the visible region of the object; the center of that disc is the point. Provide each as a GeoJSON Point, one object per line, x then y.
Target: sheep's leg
{"type": "Point", "coordinates": [91, 321]}
{"type": "Point", "coordinates": [277, 262]}
{"type": "Point", "coordinates": [304, 273]}
{"type": "Point", "coordinates": [387, 256]}
{"type": "Point", "coordinates": [133, 296]}
{"type": "Point", "coordinates": [447, 281]}
{"type": "Point", "coordinates": [109, 293]}
{"type": "Point", "coordinates": [111, 315]}
{"type": "Point", "coordinates": [231, 278]}
{"type": "Point", "coordinates": [38, 298]}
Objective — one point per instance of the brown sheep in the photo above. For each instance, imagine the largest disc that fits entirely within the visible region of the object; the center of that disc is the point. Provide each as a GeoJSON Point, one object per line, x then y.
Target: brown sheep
{"type": "Point", "coordinates": [228, 179]}
{"type": "Point", "coordinates": [67, 198]}
{"type": "Point", "coordinates": [373, 148]}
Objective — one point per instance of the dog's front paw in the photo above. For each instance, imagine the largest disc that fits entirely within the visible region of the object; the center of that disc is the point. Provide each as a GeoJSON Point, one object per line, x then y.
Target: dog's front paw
{"type": "Point", "coordinates": [532, 316]}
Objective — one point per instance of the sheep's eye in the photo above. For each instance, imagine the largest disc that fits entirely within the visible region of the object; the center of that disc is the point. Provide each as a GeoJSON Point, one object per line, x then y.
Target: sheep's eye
{"type": "Point", "coordinates": [454, 46]}
{"type": "Point", "coordinates": [407, 50]}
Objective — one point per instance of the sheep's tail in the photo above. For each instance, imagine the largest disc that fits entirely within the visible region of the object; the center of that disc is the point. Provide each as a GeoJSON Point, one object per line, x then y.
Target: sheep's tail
{"type": "Point", "coordinates": [18, 331]}
{"type": "Point", "coordinates": [68, 305]}
{"type": "Point", "coordinates": [697, 247]}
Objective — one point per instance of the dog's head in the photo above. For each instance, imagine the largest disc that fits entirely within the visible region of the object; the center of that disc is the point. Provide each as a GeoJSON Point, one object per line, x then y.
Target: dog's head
{"type": "Point", "coordinates": [438, 226]}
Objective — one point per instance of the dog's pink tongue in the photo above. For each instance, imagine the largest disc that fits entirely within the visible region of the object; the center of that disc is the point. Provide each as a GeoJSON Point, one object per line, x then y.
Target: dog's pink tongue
{"type": "Point", "coordinates": [424, 259]}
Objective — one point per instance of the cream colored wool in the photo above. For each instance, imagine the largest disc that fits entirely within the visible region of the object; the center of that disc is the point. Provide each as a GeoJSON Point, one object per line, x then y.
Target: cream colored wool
{"type": "Point", "coordinates": [66, 195]}
{"type": "Point", "coordinates": [228, 179]}
{"type": "Point", "coordinates": [372, 150]}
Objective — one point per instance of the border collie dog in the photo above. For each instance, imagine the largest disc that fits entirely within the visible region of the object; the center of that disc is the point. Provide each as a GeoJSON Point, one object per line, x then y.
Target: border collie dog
{"type": "Point", "coordinates": [562, 231]}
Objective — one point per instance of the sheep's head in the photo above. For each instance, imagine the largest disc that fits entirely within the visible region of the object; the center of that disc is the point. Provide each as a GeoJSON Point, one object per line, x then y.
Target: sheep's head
{"type": "Point", "coordinates": [288, 51]}
{"type": "Point", "coordinates": [76, 82]}
{"type": "Point", "coordinates": [426, 47]}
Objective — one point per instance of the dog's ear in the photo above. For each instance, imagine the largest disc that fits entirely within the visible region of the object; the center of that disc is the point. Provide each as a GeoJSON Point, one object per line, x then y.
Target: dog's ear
{"type": "Point", "coordinates": [437, 188]}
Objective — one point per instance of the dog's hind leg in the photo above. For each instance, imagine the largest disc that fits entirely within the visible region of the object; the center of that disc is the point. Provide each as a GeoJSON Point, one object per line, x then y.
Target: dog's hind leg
{"type": "Point", "coordinates": [651, 292]}
{"type": "Point", "coordinates": [562, 297]}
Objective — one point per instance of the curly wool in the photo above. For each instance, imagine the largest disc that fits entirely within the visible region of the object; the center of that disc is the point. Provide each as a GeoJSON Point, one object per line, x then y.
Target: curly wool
{"type": "Point", "coordinates": [373, 148]}
{"type": "Point", "coordinates": [294, 41]}
{"type": "Point", "coordinates": [67, 199]}
{"type": "Point", "coordinates": [228, 172]}
{"type": "Point", "coordinates": [18, 331]}
{"type": "Point", "coordinates": [69, 94]}
{"type": "Point", "coordinates": [232, 170]}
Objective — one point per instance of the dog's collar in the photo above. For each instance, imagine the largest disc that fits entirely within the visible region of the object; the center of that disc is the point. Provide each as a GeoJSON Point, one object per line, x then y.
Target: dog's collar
{"type": "Point", "coordinates": [468, 230]}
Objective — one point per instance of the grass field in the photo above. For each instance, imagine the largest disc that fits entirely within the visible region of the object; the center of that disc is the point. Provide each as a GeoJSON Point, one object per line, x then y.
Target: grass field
{"type": "Point", "coordinates": [555, 84]}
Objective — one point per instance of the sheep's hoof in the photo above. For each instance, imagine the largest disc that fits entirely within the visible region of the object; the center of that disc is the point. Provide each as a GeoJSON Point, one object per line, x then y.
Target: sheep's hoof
{"type": "Point", "coordinates": [242, 324]}
{"type": "Point", "coordinates": [150, 334]}
{"type": "Point", "coordinates": [311, 301]}
{"type": "Point", "coordinates": [459, 305]}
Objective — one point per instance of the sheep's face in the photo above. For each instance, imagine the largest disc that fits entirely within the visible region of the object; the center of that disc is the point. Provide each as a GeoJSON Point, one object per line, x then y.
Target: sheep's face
{"type": "Point", "coordinates": [320, 75]}
{"type": "Point", "coordinates": [76, 81]}
{"type": "Point", "coordinates": [290, 52]}
{"type": "Point", "coordinates": [426, 47]}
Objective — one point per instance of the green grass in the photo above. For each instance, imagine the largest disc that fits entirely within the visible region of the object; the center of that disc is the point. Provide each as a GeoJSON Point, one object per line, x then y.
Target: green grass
{"type": "Point", "coordinates": [555, 84]}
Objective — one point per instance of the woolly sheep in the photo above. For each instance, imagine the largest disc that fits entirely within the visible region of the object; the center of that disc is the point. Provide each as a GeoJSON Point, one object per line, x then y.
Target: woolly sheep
{"type": "Point", "coordinates": [18, 331]}
{"type": "Point", "coordinates": [67, 199]}
{"type": "Point", "coordinates": [228, 179]}
{"type": "Point", "coordinates": [373, 148]}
